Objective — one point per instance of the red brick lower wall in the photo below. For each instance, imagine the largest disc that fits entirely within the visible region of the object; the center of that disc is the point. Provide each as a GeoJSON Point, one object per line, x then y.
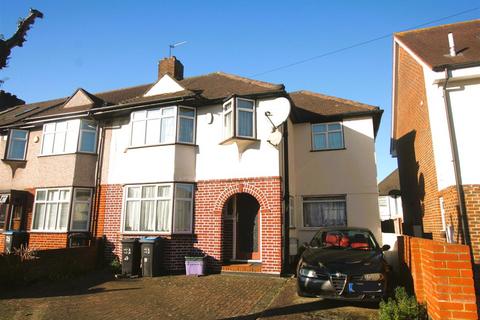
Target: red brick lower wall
{"type": "Point", "coordinates": [42, 241]}
{"type": "Point", "coordinates": [2, 243]}
{"type": "Point", "coordinates": [441, 275]}
{"type": "Point", "coordinates": [472, 201]}
{"type": "Point", "coordinates": [210, 197]}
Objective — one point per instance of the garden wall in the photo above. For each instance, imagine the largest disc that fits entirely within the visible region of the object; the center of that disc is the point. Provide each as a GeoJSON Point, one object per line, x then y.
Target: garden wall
{"type": "Point", "coordinates": [50, 264]}
{"type": "Point", "coordinates": [441, 276]}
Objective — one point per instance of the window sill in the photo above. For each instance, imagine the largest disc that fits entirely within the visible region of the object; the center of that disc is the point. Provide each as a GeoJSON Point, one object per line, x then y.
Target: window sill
{"type": "Point", "coordinates": [163, 144]}
{"type": "Point", "coordinates": [143, 233]}
{"type": "Point", "coordinates": [323, 150]}
{"type": "Point", "coordinates": [14, 161]}
{"type": "Point", "coordinates": [64, 154]}
{"type": "Point", "coordinates": [234, 138]}
{"type": "Point", "coordinates": [47, 231]}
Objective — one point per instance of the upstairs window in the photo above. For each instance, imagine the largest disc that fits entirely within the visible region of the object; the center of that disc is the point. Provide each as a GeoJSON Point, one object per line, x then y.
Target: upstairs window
{"type": "Point", "coordinates": [69, 137]}
{"type": "Point", "coordinates": [327, 136]}
{"type": "Point", "coordinates": [162, 126]}
{"type": "Point", "coordinates": [17, 144]}
{"type": "Point", "coordinates": [239, 118]}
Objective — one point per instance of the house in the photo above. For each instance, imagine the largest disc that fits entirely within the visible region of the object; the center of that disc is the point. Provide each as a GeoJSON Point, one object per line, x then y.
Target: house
{"type": "Point", "coordinates": [436, 89]}
{"type": "Point", "coordinates": [390, 203]}
{"type": "Point", "coordinates": [221, 165]}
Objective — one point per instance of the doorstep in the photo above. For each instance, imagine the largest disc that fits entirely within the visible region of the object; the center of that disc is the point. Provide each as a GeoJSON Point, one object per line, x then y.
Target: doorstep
{"type": "Point", "coordinates": [248, 267]}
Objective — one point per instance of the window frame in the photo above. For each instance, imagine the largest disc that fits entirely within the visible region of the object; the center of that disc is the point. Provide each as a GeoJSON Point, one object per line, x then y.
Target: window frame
{"type": "Point", "coordinates": [326, 133]}
{"type": "Point", "coordinates": [59, 189]}
{"type": "Point", "coordinates": [172, 199]}
{"type": "Point", "coordinates": [175, 199]}
{"type": "Point", "coordinates": [72, 207]}
{"type": "Point", "coordinates": [176, 129]}
{"type": "Point", "coordinates": [235, 109]}
{"type": "Point", "coordinates": [10, 141]}
{"type": "Point", "coordinates": [323, 198]}
{"type": "Point", "coordinates": [77, 130]}
{"type": "Point", "coordinates": [80, 136]}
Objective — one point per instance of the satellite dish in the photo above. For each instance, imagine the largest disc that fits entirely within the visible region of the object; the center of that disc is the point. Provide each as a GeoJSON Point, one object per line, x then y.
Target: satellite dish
{"type": "Point", "coordinates": [278, 111]}
{"type": "Point", "coordinates": [275, 138]}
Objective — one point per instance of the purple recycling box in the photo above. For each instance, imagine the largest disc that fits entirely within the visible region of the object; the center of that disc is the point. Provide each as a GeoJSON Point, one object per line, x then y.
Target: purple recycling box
{"type": "Point", "coordinates": [194, 266]}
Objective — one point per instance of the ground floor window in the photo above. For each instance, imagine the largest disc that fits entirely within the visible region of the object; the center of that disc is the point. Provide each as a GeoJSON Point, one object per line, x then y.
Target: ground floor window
{"type": "Point", "coordinates": [158, 208]}
{"type": "Point", "coordinates": [53, 210]}
{"type": "Point", "coordinates": [324, 212]}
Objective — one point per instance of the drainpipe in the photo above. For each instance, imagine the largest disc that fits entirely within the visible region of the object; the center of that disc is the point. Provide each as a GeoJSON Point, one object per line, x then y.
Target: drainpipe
{"type": "Point", "coordinates": [98, 175]}
{"type": "Point", "coordinates": [286, 195]}
{"type": "Point", "coordinates": [456, 164]}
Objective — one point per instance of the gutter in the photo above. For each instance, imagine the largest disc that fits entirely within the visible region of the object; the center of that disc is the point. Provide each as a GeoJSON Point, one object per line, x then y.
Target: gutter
{"type": "Point", "coordinates": [456, 165]}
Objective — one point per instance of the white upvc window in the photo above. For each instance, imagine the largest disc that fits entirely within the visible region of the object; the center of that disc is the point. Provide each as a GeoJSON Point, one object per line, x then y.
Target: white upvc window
{"type": "Point", "coordinates": [51, 209]}
{"type": "Point", "coordinates": [69, 137]}
{"type": "Point", "coordinates": [239, 118]}
{"type": "Point", "coordinates": [82, 203]}
{"type": "Point", "coordinates": [442, 213]}
{"type": "Point", "coordinates": [151, 208]}
{"type": "Point", "coordinates": [327, 136]}
{"type": "Point", "coordinates": [162, 126]}
{"type": "Point", "coordinates": [324, 211]}
{"type": "Point", "coordinates": [183, 208]}
{"type": "Point", "coordinates": [17, 144]}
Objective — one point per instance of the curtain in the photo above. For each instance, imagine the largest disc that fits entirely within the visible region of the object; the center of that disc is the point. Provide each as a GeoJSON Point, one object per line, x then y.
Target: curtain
{"type": "Point", "coordinates": [167, 129]}
{"type": "Point", "coordinates": [163, 215]}
{"type": "Point", "coordinates": [319, 141]}
{"type": "Point", "coordinates": [245, 123]}
{"type": "Point", "coordinates": [186, 130]}
{"type": "Point", "coordinates": [183, 215]}
{"type": "Point", "coordinates": [324, 213]}
{"type": "Point", "coordinates": [335, 140]}
{"type": "Point", "coordinates": [138, 133]}
{"type": "Point", "coordinates": [147, 216]}
{"type": "Point", "coordinates": [39, 221]}
{"type": "Point", "coordinates": [153, 131]}
{"type": "Point", "coordinates": [132, 216]}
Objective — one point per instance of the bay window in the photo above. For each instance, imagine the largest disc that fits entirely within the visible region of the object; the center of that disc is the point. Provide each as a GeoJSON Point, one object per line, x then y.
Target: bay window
{"type": "Point", "coordinates": [69, 137]}
{"type": "Point", "coordinates": [17, 144]}
{"type": "Point", "coordinates": [324, 212]}
{"type": "Point", "coordinates": [52, 211]}
{"type": "Point", "coordinates": [239, 118]}
{"type": "Point", "coordinates": [327, 136]}
{"type": "Point", "coordinates": [158, 208]}
{"type": "Point", "coordinates": [162, 126]}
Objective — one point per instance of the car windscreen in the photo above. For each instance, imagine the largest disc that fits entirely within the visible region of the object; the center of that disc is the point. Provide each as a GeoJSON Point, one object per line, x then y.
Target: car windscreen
{"type": "Point", "coordinates": [344, 240]}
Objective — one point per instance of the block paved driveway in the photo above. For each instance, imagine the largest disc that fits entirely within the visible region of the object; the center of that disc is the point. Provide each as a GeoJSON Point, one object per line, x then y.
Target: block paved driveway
{"type": "Point", "coordinates": [98, 296]}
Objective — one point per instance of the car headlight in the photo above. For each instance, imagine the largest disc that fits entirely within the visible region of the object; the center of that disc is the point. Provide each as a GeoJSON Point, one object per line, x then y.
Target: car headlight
{"type": "Point", "coordinates": [307, 273]}
{"type": "Point", "coordinates": [372, 277]}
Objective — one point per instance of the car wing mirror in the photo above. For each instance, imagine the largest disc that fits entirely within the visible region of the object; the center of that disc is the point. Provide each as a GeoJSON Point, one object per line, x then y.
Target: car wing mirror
{"type": "Point", "coordinates": [385, 247]}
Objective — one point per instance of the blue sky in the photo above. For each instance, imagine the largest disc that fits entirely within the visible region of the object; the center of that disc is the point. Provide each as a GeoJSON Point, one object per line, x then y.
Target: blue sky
{"type": "Point", "coordinates": [103, 45]}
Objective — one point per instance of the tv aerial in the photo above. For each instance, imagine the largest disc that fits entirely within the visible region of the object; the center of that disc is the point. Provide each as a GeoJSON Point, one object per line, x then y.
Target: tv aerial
{"type": "Point", "coordinates": [173, 46]}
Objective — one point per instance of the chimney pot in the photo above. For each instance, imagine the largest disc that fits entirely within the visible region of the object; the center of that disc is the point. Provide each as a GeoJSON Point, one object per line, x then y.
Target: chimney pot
{"type": "Point", "coordinates": [170, 66]}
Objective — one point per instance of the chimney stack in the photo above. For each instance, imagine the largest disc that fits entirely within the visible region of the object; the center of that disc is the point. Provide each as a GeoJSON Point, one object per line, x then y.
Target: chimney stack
{"type": "Point", "coordinates": [170, 66]}
{"type": "Point", "coordinates": [451, 45]}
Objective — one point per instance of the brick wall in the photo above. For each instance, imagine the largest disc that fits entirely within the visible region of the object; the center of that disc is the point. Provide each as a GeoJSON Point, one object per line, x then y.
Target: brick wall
{"type": "Point", "coordinates": [210, 197]}
{"type": "Point", "coordinates": [415, 151]}
{"type": "Point", "coordinates": [472, 201]}
{"type": "Point", "coordinates": [441, 275]}
{"type": "Point", "coordinates": [2, 242]}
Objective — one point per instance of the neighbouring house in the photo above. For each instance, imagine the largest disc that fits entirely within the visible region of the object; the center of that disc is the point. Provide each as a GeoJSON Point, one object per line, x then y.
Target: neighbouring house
{"type": "Point", "coordinates": [390, 203]}
{"type": "Point", "coordinates": [436, 94]}
{"type": "Point", "coordinates": [221, 165]}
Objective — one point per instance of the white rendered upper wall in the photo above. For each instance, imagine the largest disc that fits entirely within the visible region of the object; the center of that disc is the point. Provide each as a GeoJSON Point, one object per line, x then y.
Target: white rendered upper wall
{"type": "Point", "coordinates": [207, 159]}
{"type": "Point", "coordinates": [464, 94]}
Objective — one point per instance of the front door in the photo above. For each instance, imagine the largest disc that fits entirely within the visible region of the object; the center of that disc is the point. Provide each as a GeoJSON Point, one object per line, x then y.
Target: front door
{"type": "Point", "coordinates": [247, 228]}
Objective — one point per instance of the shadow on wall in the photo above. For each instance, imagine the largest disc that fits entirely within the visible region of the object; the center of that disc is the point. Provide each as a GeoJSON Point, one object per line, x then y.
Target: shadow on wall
{"type": "Point", "coordinates": [412, 183]}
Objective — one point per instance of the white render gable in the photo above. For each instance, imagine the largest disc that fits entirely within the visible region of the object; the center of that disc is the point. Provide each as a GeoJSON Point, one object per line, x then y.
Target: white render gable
{"type": "Point", "coordinates": [80, 98]}
{"type": "Point", "coordinates": [165, 85]}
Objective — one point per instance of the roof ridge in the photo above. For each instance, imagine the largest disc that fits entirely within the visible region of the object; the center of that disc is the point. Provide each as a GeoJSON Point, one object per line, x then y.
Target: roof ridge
{"type": "Point", "coordinates": [321, 95]}
{"type": "Point", "coordinates": [248, 80]}
{"type": "Point", "coordinates": [400, 33]}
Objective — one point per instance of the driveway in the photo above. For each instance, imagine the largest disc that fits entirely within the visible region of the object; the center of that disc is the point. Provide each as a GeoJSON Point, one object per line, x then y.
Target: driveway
{"type": "Point", "coordinates": [98, 296]}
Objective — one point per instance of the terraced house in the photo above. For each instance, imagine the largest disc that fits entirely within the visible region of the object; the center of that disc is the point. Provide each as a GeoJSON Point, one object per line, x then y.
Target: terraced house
{"type": "Point", "coordinates": [220, 165]}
